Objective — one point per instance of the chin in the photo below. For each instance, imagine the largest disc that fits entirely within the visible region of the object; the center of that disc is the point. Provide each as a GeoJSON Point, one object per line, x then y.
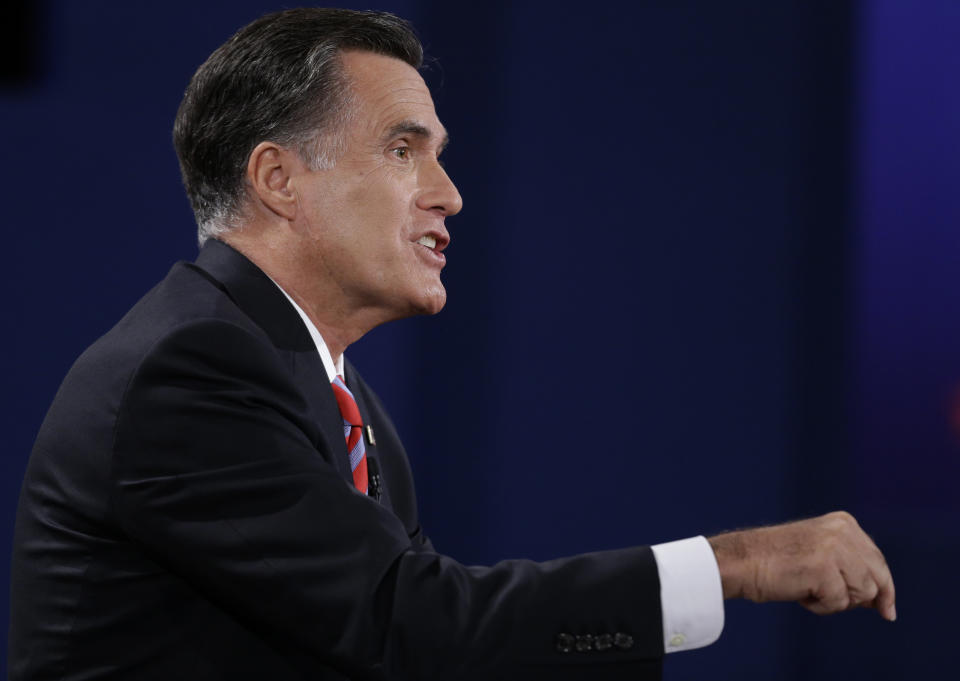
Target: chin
{"type": "Point", "coordinates": [433, 301]}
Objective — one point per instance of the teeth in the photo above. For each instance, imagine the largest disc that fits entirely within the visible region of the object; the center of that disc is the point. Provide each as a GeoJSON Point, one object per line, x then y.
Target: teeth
{"type": "Point", "coordinates": [427, 241]}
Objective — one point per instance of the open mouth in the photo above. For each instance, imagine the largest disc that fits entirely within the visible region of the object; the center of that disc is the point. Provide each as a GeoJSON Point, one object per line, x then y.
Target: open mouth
{"type": "Point", "coordinates": [433, 252]}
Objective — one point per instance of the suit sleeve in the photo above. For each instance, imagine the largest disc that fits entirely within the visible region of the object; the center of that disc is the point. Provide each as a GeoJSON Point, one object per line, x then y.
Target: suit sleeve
{"type": "Point", "coordinates": [218, 476]}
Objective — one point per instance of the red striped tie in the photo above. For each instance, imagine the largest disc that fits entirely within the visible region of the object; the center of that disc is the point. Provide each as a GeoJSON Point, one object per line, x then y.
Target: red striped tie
{"type": "Point", "coordinates": [353, 432]}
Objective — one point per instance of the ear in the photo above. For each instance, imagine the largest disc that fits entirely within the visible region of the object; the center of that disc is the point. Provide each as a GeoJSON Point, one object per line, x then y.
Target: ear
{"type": "Point", "coordinates": [270, 170]}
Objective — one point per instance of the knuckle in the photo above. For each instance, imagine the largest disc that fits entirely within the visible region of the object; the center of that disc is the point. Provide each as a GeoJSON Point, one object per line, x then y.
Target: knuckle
{"type": "Point", "coordinates": [865, 592]}
{"type": "Point", "coordinates": [842, 518]}
{"type": "Point", "coordinates": [837, 599]}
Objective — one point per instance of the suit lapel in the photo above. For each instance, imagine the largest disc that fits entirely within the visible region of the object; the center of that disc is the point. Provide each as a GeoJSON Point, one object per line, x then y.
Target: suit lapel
{"type": "Point", "coordinates": [265, 304]}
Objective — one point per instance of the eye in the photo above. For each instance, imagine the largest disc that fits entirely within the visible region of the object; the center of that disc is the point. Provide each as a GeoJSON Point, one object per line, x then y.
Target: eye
{"type": "Point", "coordinates": [402, 153]}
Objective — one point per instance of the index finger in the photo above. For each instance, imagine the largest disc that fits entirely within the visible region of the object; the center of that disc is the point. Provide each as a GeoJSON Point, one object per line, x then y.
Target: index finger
{"type": "Point", "coordinates": [886, 598]}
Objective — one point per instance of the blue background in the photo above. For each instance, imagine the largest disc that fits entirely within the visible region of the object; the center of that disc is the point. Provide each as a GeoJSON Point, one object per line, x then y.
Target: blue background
{"type": "Point", "coordinates": [705, 277]}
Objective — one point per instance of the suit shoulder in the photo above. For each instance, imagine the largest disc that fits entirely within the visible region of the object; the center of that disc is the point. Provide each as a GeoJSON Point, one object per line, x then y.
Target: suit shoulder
{"type": "Point", "coordinates": [186, 308]}
{"type": "Point", "coordinates": [187, 296]}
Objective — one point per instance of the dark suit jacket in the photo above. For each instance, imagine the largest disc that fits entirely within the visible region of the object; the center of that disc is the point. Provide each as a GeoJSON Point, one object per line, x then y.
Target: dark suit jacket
{"type": "Point", "coordinates": [187, 513]}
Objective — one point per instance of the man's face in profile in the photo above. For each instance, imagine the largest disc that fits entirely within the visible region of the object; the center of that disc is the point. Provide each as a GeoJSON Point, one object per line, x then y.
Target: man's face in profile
{"type": "Point", "coordinates": [376, 220]}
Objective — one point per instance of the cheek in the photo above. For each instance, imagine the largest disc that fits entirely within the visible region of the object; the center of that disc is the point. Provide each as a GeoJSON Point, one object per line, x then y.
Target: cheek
{"type": "Point", "coordinates": [379, 216]}
{"type": "Point", "coordinates": [386, 192]}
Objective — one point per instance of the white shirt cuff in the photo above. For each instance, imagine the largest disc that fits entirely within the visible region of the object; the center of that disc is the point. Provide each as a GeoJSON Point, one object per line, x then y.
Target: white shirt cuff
{"type": "Point", "coordinates": [691, 596]}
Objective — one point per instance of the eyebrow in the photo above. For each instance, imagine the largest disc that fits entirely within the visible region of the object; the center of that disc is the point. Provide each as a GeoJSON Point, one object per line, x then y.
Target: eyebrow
{"type": "Point", "coordinates": [416, 129]}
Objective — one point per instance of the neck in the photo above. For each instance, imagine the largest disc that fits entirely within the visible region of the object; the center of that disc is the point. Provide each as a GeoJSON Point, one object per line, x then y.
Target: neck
{"type": "Point", "coordinates": [339, 323]}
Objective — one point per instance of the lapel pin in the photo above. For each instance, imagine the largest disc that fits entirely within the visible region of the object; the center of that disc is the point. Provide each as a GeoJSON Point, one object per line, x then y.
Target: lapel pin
{"type": "Point", "coordinates": [370, 438]}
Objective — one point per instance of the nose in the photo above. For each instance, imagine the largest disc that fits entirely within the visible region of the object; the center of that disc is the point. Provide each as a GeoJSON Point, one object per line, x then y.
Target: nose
{"type": "Point", "coordinates": [439, 193]}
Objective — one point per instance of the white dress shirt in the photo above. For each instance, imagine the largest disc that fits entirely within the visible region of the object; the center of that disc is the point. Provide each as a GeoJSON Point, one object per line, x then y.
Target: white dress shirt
{"type": "Point", "coordinates": [334, 367]}
{"type": "Point", "coordinates": [691, 597]}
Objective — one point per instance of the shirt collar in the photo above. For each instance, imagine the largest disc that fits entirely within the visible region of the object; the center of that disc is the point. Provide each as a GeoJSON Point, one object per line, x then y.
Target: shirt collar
{"type": "Point", "coordinates": [334, 367]}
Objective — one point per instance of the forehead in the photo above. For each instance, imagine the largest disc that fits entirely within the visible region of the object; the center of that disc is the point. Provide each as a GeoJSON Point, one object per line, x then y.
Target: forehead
{"type": "Point", "coordinates": [388, 91]}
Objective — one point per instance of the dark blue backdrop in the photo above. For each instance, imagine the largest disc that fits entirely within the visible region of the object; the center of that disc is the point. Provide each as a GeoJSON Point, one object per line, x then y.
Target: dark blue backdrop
{"type": "Point", "coordinates": [704, 278]}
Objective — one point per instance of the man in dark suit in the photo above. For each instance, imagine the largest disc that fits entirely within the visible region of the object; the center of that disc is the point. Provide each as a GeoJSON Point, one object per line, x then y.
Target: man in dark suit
{"type": "Point", "coordinates": [216, 493]}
